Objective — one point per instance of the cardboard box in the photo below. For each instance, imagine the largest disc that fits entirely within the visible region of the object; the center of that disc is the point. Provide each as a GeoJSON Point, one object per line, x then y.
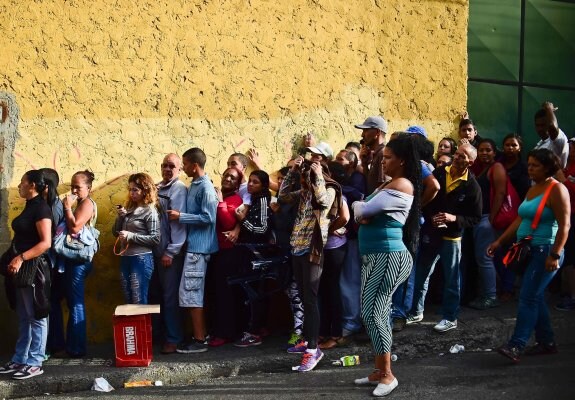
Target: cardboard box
{"type": "Point", "coordinates": [133, 334]}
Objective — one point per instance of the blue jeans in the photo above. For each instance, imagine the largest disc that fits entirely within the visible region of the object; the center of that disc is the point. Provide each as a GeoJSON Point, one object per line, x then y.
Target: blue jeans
{"type": "Point", "coordinates": [170, 308]}
{"type": "Point", "coordinates": [350, 286]}
{"type": "Point", "coordinates": [75, 277]}
{"type": "Point", "coordinates": [484, 235]}
{"type": "Point", "coordinates": [32, 333]}
{"type": "Point", "coordinates": [56, 341]}
{"type": "Point", "coordinates": [429, 253]}
{"type": "Point", "coordinates": [532, 312]}
{"type": "Point", "coordinates": [135, 274]}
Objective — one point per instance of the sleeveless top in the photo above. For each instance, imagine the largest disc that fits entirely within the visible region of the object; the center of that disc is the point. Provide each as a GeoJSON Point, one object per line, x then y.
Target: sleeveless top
{"type": "Point", "coordinates": [547, 228]}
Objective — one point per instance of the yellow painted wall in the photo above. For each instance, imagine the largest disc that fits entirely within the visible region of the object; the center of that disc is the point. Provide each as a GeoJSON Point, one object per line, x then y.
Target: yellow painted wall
{"type": "Point", "coordinates": [113, 86]}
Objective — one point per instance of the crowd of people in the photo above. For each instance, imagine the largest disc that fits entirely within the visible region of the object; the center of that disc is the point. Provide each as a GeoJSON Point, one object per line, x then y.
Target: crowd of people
{"type": "Point", "coordinates": [363, 230]}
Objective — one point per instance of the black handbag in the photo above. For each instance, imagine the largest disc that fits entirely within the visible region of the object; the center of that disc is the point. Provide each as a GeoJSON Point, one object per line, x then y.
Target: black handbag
{"type": "Point", "coordinates": [41, 287]}
{"type": "Point", "coordinates": [518, 256]}
{"type": "Point", "coordinates": [26, 273]}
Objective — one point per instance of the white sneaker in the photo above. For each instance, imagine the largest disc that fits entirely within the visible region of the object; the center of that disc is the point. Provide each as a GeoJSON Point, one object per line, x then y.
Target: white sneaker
{"type": "Point", "coordinates": [413, 319]}
{"type": "Point", "coordinates": [445, 325]}
{"type": "Point", "coordinates": [28, 372]}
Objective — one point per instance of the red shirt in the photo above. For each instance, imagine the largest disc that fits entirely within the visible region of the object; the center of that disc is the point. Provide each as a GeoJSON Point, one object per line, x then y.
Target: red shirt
{"type": "Point", "coordinates": [226, 219]}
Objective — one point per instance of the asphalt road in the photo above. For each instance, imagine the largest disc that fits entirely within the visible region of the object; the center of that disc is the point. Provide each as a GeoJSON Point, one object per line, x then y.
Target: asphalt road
{"type": "Point", "coordinates": [463, 376]}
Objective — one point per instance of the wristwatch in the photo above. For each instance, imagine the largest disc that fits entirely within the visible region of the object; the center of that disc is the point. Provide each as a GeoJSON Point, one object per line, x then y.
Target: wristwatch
{"type": "Point", "coordinates": [554, 256]}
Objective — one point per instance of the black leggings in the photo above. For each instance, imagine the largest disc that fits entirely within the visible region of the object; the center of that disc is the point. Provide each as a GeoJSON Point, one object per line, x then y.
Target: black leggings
{"type": "Point", "coordinates": [330, 302]}
{"type": "Point", "coordinates": [307, 276]}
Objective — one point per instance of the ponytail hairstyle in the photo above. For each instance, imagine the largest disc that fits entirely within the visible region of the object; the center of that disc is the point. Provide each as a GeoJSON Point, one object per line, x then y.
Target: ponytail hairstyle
{"type": "Point", "coordinates": [405, 148]}
{"type": "Point", "coordinates": [88, 177]}
{"type": "Point", "coordinates": [36, 177]}
{"type": "Point", "coordinates": [52, 181]}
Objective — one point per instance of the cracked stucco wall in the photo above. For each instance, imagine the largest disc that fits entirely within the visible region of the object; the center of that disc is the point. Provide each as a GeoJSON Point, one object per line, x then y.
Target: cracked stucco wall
{"type": "Point", "coordinates": [113, 86]}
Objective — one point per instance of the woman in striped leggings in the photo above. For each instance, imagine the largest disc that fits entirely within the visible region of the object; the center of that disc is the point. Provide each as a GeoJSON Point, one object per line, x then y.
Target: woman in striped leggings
{"type": "Point", "coordinates": [388, 234]}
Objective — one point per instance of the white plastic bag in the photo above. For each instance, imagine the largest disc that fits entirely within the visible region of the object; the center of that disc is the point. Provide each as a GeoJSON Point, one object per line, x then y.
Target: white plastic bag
{"type": "Point", "coordinates": [101, 385]}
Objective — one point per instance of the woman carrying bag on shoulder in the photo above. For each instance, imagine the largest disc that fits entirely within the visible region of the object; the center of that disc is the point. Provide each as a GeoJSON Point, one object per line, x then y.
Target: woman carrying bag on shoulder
{"type": "Point", "coordinates": [32, 239]}
{"type": "Point", "coordinates": [79, 210]}
{"type": "Point", "coordinates": [548, 240]}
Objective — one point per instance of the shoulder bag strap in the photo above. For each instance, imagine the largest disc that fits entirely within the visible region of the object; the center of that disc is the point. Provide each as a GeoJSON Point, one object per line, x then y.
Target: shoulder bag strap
{"type": "Point", "coordinates": [92, 221]}
{"type": "Point", "coordinates": [542, 205]}
{"type": "Point", "coordinates": [491, 185]}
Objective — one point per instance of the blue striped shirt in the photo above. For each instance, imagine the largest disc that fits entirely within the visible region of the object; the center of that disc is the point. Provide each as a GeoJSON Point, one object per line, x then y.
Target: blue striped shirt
{"type": "Point", "coordinates": [200, 215]}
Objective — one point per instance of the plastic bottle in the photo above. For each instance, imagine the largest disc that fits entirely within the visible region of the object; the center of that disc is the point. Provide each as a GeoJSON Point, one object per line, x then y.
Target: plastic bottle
{"type": "Point", "coordinates": [347, 361]}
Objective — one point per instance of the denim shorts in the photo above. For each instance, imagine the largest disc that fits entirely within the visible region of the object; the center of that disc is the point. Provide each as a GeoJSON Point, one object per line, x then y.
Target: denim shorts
{"type": "Point", "coordinates": [191, 291]}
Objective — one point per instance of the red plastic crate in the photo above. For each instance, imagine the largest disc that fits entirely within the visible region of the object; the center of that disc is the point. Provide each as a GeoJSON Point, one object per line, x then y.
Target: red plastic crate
{"type": "Point", "coordinates": [133, 340]}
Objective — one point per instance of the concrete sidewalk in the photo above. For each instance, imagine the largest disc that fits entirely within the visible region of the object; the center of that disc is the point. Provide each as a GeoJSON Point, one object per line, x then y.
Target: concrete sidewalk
{"type": "Point", "coordinates": [477, 331]}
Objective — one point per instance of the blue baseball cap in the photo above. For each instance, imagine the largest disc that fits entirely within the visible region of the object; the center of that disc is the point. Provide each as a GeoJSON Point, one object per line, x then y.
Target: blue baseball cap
{"type": "Point", "coordinates": [420, 130]}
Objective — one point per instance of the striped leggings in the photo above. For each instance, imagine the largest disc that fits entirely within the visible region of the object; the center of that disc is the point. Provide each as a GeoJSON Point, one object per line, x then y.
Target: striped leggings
{"type": "Point", "coordinates": [381, 274]}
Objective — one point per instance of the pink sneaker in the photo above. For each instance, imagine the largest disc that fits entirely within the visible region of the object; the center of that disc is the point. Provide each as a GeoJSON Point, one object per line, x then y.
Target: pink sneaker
{"type": "Point", "coordinates": [310, 360]}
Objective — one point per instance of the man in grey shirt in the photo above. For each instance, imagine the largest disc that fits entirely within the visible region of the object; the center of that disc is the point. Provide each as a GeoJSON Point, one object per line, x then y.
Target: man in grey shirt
{"type": "Point", "coordinates": [169, 257]}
